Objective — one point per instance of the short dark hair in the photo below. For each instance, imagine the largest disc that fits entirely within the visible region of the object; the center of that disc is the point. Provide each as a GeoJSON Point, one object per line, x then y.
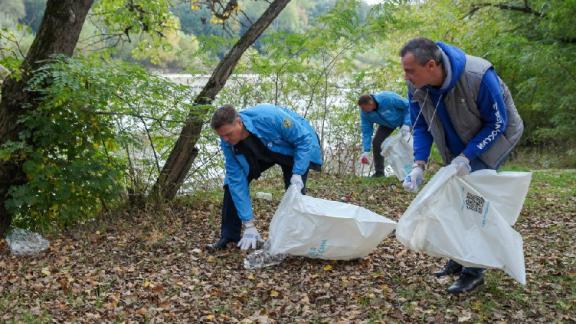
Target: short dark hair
{"type": "Point", "coordinates": [423, 50]}
{"type": "Point", "coordinates": [222, 116]}
{"type": "Point", "coordinates": [365, 99]}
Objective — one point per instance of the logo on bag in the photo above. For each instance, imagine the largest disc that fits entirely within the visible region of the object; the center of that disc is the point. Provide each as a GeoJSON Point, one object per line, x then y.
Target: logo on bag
{"type": "Point", "coordinates": [319, 251]}
{"type": "Point", "coordinates": [474, 203]}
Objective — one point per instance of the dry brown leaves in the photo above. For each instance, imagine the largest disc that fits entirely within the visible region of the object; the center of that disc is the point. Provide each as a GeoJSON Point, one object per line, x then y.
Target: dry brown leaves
{"type": "Point", "coordinates": [152, 266]}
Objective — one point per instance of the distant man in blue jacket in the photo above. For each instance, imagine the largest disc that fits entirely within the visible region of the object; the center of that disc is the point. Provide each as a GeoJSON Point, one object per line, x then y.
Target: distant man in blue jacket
{"type": "Point", "coordinates": [253, 140]}
{"type": "Point", "coordinates": [388, 110]}
{"type": "Point", "coordinates": [458, 102]}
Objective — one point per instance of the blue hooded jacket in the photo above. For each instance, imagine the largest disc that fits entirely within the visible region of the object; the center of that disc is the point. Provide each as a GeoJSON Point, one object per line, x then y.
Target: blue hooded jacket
{"type": "Point", "coordinates": [280, 130]}
{"type": "Point", "coordinates": [490, 103]}
{"type": "Point", "coordinates": [391, 111]}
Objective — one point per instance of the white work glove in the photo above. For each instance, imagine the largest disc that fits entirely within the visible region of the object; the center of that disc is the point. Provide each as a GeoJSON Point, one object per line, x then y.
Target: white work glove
{"type": "Point", "coordinates": [462, 164]}
{"type": "Point", "coordinates": [364, 158]}
{"type": "Point", "coordinates": [250, 238]}
{"type": "Point", "coordinates": [297, 181]}
{"type": "Point", "coordinates": [414, 179]}
{"type": "Point", "coordinates": [405, 130]}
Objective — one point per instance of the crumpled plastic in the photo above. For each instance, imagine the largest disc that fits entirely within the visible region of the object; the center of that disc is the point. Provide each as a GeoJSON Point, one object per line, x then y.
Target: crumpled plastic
{"type": "Point", "coordinates": [25, 242]}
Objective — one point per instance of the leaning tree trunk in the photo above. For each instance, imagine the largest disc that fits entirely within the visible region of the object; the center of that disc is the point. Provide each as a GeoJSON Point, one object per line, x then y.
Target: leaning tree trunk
{"type": "Point", "coordinates": [183, 154]}
{"type": "Point", "coordinates": [58, 34]}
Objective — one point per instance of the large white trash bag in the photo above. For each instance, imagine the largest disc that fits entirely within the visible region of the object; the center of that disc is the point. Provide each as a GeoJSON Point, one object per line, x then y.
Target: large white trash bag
{"type": "Point", "coordinates": [398, 154]}
{"type": "Point", "coordinates": [468, 219]}
{"type": "Point", "coordinates": [324, 229]}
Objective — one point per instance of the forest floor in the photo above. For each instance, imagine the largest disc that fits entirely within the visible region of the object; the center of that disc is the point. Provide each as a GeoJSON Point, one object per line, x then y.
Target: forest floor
{"type": "Point", "coordinates": [151, 266]}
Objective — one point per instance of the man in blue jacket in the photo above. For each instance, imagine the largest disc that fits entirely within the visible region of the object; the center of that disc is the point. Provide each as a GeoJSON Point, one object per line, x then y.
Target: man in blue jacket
{"type": "Point", "coordinates": [458, 102]}
{"type": "Point", "coordinates": [388, 110]}
{"type": "Point", "coordinates": [253, 140]}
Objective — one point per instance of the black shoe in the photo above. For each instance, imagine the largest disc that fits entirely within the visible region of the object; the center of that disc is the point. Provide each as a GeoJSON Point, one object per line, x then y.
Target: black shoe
{"type": "Point", "coordinates": [451, 268]}
{"type": "Point", "coordinates": [222, 244]}
{"type": "Point", "coordinates": [466, 282]}
{"type": "Point", "coordinates": [378, 175]}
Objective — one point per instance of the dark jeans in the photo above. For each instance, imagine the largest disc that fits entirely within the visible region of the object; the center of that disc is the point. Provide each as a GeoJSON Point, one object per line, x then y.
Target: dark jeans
{"type": "Point", "coordinates": [475, 165]}
{"type": "Point", "coordinates": [381, 134]}
{"type": "Point", "coordinates": [231, 224]}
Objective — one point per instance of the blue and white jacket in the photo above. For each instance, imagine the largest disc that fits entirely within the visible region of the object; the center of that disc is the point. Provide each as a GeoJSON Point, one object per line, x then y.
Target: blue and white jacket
{"type": "Point", "coordinates": [391, 111]}
{"type": "Point", "coordinates": [280, 130]}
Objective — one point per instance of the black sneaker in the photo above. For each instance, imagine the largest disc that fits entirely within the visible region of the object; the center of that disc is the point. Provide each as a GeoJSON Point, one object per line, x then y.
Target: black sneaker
{"type": "Point", "coordinates": [466, 283]}
{"type": "Point", "coordinates": [222, 244]}
{"type": "Point", "coordinates": [378, 175]}
{"type": "Point", "coordinates": [451, 268]}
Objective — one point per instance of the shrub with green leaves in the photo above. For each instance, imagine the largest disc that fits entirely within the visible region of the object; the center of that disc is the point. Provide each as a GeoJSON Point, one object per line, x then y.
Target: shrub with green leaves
{"type": "Point", "coordinates": [85, 144]}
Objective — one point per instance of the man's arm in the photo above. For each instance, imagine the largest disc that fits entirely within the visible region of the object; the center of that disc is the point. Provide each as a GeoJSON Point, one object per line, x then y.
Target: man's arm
{"type": "Point", "coordinates": [293, 132]}
{"type": "Point", "coordinates": [492, 109]}
{"type": "Point", "coordinates": [407, 117]}
{"type": "Point", "coordinates": [237, 181]}
{"type": "Point", "coordinates": [367, 128]}
{"type": "Point", "coordinates": [422, 137]}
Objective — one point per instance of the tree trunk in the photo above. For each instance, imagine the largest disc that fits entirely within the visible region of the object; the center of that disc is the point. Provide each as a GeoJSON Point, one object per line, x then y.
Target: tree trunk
{"type": "Point", "coordinates": [183, 154]}
{"type": "Point", "coordinates": [58, 34]}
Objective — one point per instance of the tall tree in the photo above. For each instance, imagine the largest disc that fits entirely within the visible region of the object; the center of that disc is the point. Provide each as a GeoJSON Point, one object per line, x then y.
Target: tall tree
{"type": "Point", "coordinates": [184, 152]}
{"type": "Point", "coordinates": [57, 35]}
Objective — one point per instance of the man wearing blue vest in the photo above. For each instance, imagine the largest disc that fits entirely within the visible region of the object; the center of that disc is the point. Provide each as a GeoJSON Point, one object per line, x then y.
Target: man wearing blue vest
{"type": "Point", "coordinates": [388, 110]}
{"type": "Point", "coordinates": [458, 102]}
{"type": "Point", "coordinates": [253, 140]}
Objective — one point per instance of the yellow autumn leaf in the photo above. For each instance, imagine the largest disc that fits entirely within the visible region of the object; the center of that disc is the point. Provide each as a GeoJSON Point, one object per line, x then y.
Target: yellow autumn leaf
{"type": "Point", "coordinates": [327, 267]}
{"type": "Point", "coordinates": [45, 271]}
{"type": "Point", "coordinates": [274, 293]}
{"type": "Point", "coordinates": [146, 283]}
{"type": "Point", "coordinates": [210, 317]}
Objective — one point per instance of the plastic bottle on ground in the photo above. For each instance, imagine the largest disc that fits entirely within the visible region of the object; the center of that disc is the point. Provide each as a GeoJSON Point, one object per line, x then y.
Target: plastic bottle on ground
{"type": "Point", "coordinates": [264, 195]}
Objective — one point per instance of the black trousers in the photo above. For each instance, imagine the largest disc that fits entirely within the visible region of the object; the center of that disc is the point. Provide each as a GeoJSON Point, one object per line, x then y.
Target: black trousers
{"type": "Point", "coordinates": [381, 134]}
{"type": "Point", "coordinates": [231, 227]}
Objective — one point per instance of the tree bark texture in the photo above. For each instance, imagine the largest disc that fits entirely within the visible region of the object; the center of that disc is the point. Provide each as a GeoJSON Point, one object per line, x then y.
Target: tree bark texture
{"type": "Point", "coordinates": [58, 35]}
{"type": "Point", "coordinates": [183, 154]}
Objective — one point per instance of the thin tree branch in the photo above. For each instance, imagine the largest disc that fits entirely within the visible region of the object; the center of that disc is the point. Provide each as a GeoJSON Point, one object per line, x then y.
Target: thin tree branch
{"type": "Point", "coordinates": [504, 6]}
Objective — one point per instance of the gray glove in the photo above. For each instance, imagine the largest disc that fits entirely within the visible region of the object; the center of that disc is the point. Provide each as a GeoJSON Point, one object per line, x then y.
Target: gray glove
{"type": "Point", "coordinates": [462, 164]}
{"type": "Point", "coordinates": [250, 238]}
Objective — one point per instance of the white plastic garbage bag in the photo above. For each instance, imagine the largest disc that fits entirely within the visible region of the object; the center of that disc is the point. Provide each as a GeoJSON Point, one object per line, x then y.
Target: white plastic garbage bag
{"type": "Point", "coordinates": [398, 154]}
{"type": "Point", "coordinates": [25, 242]}
{"type": "Point", "coordinates": [324, 229]}
{"type": "Point", "coordinates": [468, 219]}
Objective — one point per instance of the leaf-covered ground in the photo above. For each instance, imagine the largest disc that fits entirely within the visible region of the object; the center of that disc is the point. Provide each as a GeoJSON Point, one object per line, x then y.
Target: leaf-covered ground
{"type": "Point", "coordinates": [152, 266]}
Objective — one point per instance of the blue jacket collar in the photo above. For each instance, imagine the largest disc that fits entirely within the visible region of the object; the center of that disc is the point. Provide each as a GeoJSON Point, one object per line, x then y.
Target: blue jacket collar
{"type": "Point", "coordinates": [248, 124]}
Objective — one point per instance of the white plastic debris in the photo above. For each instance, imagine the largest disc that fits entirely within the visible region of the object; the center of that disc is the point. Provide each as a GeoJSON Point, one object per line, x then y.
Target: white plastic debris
{"type": "Point", "coordinates": [25, 242]}
{"type": "Point", "coordinates": [264, 195]}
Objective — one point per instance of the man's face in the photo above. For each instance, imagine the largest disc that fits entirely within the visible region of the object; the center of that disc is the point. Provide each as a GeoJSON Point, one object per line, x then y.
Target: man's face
{"type": "Point", "coordinates": [419, 75]}
{"type": "Point", "coordinates": [231, 133]}
{"type": "Point", "coordinates": [371, 106]}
